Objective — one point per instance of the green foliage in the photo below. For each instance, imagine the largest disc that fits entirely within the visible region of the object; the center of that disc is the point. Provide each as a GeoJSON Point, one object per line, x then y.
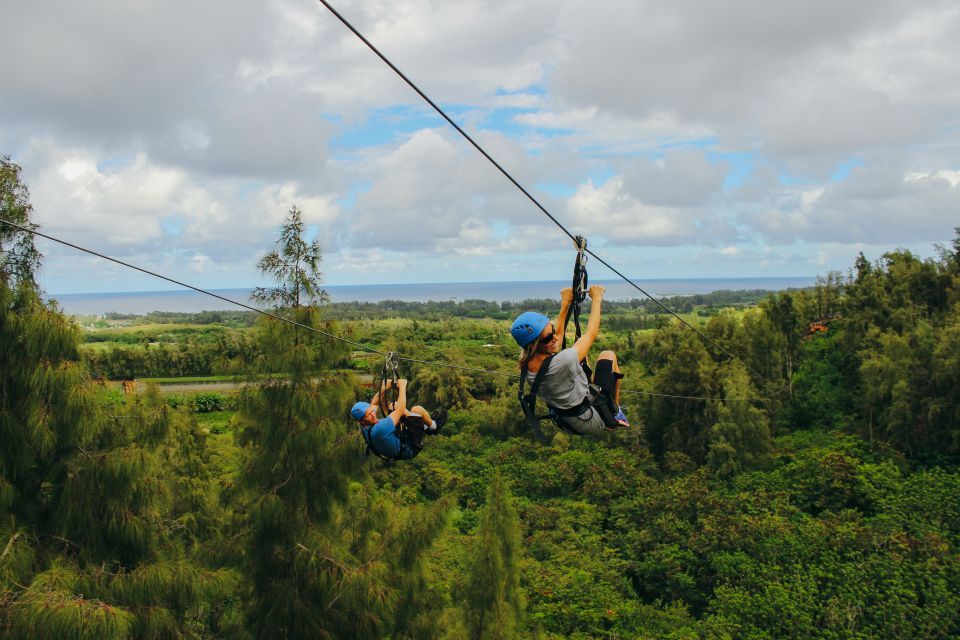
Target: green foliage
{"type": "Point", "coordinates": [294, 265]}
{"type": "Point", "coordinates": [19, 258]}
{"type": "Point", "coordinates": [493, 600]}
{"type": "Point", "coordinates": [740, 440]}
{"type": "Point", "coordinates": [165, 517]}
{"type": "Point", "coordinates": [683, 368]}
{"type": "Point", "coordinates": [203, 402]}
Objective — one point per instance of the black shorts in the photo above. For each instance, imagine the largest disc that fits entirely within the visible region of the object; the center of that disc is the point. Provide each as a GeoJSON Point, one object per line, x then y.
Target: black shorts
{"type": "Point", "coordinates": [606, 379]}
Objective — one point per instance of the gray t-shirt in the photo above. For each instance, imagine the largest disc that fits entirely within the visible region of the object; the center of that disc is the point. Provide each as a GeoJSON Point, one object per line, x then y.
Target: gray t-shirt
{"type": "Point", "coordinates": [565, 385]}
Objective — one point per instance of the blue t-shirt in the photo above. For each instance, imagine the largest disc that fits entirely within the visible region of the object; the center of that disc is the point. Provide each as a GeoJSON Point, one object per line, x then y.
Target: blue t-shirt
{"type": "Point", "coordinates": [384, 440]}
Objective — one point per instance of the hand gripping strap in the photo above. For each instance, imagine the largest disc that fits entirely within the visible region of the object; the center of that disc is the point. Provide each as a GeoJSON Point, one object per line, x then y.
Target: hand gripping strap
{"type": "Point", "coordinates": [390, 374]}
{"type": "Point", "coordinates": [580, 285]}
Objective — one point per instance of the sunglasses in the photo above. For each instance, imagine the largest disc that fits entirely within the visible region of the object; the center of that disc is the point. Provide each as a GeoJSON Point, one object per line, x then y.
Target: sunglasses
{"type": "Point", "coordinates": [547, 339]}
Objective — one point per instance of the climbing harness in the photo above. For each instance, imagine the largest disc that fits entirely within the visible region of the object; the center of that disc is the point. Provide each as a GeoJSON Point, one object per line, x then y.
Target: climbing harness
{"type": "Point", "coordinates": [528, 401]}
{"type": "Point", "coordinates": [595, 401]}
{"type": "Point", "coordinates": [391, 375]}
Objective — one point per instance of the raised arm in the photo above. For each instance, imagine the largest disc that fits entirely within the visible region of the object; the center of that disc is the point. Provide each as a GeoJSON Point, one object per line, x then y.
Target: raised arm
{"type": "Point", "coordinates": [375, 402]}
{"type": "Point", "coordinates": [566, 299]}
{"type": "Point", "coordinates": [593, 328]}
{"type": "Point", "coordinates": [400, 407]}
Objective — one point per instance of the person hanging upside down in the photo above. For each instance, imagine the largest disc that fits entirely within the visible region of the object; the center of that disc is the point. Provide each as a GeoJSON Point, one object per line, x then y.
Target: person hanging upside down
{"type": "Point", "coordinates": [565, 387]}
{"type": "Point", "coordinates": [399, 436]}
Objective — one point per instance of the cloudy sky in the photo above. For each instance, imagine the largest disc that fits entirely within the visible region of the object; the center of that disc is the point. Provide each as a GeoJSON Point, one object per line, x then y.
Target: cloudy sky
{"type": "Point", "coordinates": [684, 139]}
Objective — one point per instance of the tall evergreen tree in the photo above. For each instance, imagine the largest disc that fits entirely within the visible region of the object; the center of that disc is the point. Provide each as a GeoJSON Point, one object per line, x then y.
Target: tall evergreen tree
{"type": "Point", "coordinates": [294, 265]}
{"type": "Point", "coordinates": [740, 440]}
{"type": "Point", "coordinates": [685, 368]}
{"type": "Point", "coordinates": [19, 258]}
{"type": "Point", "coordinates": [786, 316]}
{"type": "Point", "coordinates": [84, 493]}
{"type": "Point", "coordinates": [326, 557]}
{"type": "Point", "coordinates": [494, 602]}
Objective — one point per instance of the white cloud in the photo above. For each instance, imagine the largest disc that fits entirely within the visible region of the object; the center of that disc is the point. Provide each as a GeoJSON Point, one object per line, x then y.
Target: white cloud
{"type": "Point", "coordinates": [882, 205]}
{"type": "Point", "coordinates": [174, 130]}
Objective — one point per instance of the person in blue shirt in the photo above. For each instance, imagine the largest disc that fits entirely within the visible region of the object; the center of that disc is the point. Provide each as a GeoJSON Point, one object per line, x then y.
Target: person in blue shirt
{"type": "Point", "coordinates": [399, 436]}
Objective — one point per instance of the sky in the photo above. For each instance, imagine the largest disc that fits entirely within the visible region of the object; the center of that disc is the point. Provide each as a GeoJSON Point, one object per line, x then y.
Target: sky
{"type": "Point", "coordinates": [683, 139]}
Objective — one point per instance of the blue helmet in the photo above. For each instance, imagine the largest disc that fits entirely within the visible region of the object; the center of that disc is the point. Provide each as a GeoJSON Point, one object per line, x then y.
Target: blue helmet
{"type": "Point", "coordinates": [359, 410]}
{"type": "Point", "coordinates": [528, 326]}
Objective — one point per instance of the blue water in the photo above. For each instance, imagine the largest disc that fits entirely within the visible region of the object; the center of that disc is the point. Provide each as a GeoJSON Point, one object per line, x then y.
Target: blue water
{"type": "Point", "coordinates": [141, 302]}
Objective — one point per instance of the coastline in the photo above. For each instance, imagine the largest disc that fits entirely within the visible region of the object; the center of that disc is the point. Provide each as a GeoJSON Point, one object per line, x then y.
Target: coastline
{"type": "Point", "coordinates": [188, 301]}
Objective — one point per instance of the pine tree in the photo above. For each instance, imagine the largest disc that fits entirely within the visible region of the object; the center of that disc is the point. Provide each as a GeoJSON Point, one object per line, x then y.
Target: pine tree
{"type": "Point", "coordinates": [494, 603]}
{"type": "Point", "coordinates": [294, 265]}
{"type": "Point", "coordinates": [740, 440]}
{"type": "Point", "coordinates": [19, 258]}
{"type": "Point", "coordinates": [326, 555]}
{"type": "Point", "coordinates": [84, 496]}
{"type": "Point", "coordinates": [685, 368]}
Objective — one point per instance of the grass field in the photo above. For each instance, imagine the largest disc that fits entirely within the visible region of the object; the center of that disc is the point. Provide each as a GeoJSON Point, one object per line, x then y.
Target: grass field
{"type": "Point", "coordinates": [216, 422]}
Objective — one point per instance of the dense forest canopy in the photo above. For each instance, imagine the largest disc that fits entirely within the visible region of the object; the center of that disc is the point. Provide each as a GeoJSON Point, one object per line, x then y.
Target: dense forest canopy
{"type": "Point", "coordinates": [807, 488]}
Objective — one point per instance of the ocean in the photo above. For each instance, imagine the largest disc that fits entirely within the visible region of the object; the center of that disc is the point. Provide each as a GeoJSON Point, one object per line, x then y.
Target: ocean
{"type": "Point", "coordinates": [187, 301]}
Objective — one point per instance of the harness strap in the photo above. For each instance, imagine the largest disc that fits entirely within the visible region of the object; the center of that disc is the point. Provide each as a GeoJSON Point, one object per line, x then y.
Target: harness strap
{"type": "Point", "coordinates": [404, 434]}
{"type": "Point", "coordinates": [389, 373]}
{"type": "Point", "coordinates": [579, 286]}
{"type": "Point", "coordinates": [528, 401]}
{"type": "Point", "coordinates": [365, 432]}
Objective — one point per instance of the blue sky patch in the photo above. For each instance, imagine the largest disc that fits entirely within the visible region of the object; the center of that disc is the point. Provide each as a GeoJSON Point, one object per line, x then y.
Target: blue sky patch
{"type": "Point", "coordinates": [350, 199]}
{"type": "Point", "coordinates": [382, 126]}
{"type": "Point", "coordinates": [741, 166]}
{"type": "Point", "coordinates": [172, 225]}
{"type": "Point", "coordinates": [844, 168]}
{"type": "Point", "coordinates": [556, 189]}
{"type": "Point", "coordinates": [114, 163]}
{"type": "Point", "coordinates": [501, 230]}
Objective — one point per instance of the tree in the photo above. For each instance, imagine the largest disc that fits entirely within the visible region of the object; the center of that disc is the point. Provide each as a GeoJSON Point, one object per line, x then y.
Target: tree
{"type": "Point", "coordinates": [19, 258]}
{"type": "Point", "coordinates": [294, 266]}
{"type": "Point", "coordinates": [326, 555]}
{"type": "Point", "coordinates": [681, 424]}
{"type": "Point", "coordinates": [786, 317]}
{"type": "Point", "coordinates": [494, 601]}
{"type": "Point", "coordinates": [84, 495]}
{"type": "Point", "coordinates": [740, 440]}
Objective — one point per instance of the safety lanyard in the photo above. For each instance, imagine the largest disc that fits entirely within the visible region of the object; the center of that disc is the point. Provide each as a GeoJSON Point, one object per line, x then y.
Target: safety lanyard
{"type": "Point", "coordinates": [579, 286]}
{"type": "Point", "coordinates": [389, 374]}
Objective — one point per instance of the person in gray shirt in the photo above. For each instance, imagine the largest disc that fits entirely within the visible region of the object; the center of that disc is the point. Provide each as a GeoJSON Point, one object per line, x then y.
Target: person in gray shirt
{"type": "Point", "coordinates": [565, 386]}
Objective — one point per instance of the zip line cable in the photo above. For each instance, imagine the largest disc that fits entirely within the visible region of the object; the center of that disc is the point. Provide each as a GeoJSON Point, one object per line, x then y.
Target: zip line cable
{"type": "Point", "coordinates": [293, 322]}
{"type": "Point", "coordinates": [241, 304]}
{"type": "Point", "coordinates": [190, 286]}
{"type": "Point", "coordinates": [444, 115]}
{"type": "Point", "coordinates": [509, 177]}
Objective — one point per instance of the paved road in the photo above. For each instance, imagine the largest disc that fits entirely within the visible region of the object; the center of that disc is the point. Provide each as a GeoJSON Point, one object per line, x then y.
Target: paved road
{"type": "Point", "coordinates": [218, 385]}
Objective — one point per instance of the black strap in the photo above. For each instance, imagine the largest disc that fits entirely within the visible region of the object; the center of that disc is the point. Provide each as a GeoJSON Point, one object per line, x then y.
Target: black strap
{"type": "Point", "coordinates": [412, 438]}
{"type": "Point", "coordinates": [389, 373]}
{"type": "Point", "coordinates": [528, 401]}
{"type": "Point", "coordinates": [365, 432]}
{"type": "Point", "coordinates": [580, 286]}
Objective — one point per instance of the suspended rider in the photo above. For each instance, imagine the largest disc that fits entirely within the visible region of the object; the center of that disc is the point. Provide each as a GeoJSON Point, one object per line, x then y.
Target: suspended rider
{"type": "Point", "coordinates": [398, 436]}
{"type": "Point", "coordinates": [579, 403]}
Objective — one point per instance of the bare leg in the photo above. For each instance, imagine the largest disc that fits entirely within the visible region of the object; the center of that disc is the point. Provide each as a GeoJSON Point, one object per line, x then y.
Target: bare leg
{"type": "Point", "coordinates": [610, 355]}
{"type": "Point", "coordinates": [420, 411]}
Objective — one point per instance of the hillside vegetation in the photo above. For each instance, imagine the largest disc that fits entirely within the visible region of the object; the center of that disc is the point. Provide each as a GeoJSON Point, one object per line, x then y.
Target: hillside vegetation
{"type": "Point", "coordinates": [807, 488]}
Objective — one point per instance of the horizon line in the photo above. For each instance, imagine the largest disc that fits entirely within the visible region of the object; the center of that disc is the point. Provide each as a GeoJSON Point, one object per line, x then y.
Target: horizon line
{"type": "Point", "coordinates": [415, 284]}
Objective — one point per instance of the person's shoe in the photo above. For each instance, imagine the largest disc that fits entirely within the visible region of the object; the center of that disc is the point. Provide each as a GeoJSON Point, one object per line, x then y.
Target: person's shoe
{"type": "Point", "coordinates": [621, 417]}
{"type": "Point", "coordinates": [439, 419]}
